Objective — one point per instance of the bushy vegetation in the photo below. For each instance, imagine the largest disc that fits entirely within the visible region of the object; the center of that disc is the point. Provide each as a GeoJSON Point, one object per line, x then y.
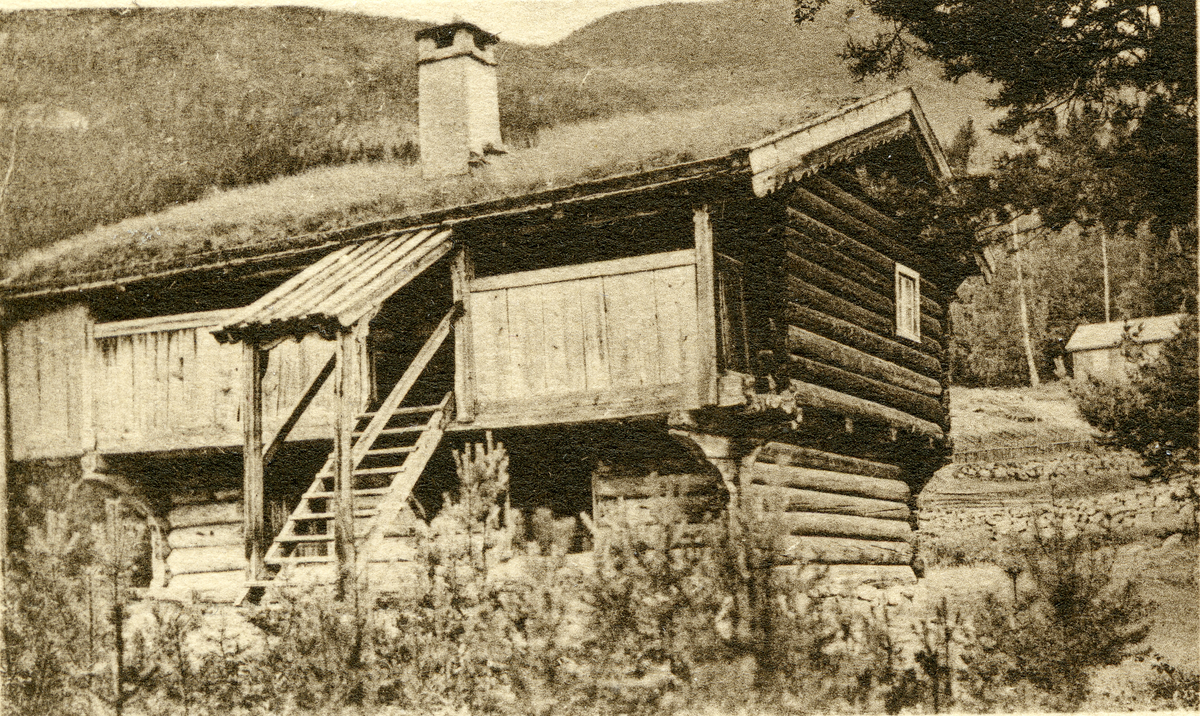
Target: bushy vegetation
{"type": "Point", "coordinates": [1154, 414]}
{"type": "Point", "coordinates": [1178, 687]}
{"type": "Point", "coordinates": [658, 618]}
{"type": "Point", "coordinates": [1071, 616]}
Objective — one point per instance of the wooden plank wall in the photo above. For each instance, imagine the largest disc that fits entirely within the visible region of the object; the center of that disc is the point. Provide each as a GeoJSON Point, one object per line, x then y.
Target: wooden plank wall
{"type": "Point", "coordinates": [45, 365]}
{"type": "Point", "coordinates": [840, 257]}
{"type": "Point", "coordinates": [829, 508]}
{"type": "Point", "coordinates": [592, 341]}
{"type": "Point", "coordinates": [181, 389]}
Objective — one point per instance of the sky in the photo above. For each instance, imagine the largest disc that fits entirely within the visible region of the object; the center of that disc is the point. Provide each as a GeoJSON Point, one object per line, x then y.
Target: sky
{"type": "Point", "coordinates": [538, 22]}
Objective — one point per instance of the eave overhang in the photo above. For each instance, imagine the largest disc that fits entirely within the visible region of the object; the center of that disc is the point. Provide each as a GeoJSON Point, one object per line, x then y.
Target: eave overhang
{"type": "Point", "coordinates": [725, 172]}
{"type": "Point", "coordinates": [840, 136]}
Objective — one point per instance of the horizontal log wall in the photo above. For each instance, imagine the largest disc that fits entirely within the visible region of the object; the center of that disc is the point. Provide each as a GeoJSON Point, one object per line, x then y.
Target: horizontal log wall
{"type": "Point", "coordinates": [827, 508]}
{"type": "Point", "coordinates": [647, 499]}
{"type": "Point", "coordinates": [839, 313]}
{"type": "Point", "coordinates": [205, 537]}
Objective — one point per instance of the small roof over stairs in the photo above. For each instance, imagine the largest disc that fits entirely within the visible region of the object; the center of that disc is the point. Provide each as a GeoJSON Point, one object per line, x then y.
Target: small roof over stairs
{"type": "Point", "coordinates": [334, 293]}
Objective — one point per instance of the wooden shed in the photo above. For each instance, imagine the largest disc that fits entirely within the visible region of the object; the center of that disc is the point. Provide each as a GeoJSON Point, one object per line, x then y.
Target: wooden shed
{"type": "Point", "coordinates": [1116, 351]}
{"type": "Point", "coordinates": [755, 325]}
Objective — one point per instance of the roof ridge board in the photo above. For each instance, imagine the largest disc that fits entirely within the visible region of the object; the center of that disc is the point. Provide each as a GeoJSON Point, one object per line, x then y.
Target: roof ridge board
{"type": "Point", "coordinates": [824, 118]}
{"type": "Point", "coordinates": [789, 146]}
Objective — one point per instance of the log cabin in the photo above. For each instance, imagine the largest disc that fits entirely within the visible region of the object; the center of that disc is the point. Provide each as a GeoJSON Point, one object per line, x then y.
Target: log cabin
{"type": "Point", "coordinates": [754, 330]}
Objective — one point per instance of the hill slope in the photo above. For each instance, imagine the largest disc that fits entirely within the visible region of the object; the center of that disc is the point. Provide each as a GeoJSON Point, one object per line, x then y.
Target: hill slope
{"type": "Point", "coordinates": [112, 114]}
{"type": "Point", "coordinates": [699, 52]}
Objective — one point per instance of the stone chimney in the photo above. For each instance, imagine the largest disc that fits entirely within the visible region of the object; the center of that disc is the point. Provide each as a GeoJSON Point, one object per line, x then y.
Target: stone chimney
{"type": "Point", "coordinates": [458, 103]}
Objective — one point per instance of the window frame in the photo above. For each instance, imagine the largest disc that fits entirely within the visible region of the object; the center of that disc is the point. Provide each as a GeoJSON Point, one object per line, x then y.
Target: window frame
{"type": "Point", "coordinates": [910, 329]}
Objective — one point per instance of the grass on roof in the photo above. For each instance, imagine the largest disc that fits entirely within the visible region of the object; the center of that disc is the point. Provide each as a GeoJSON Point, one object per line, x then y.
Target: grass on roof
{"type": "Point", "coordinates": [337, 197]}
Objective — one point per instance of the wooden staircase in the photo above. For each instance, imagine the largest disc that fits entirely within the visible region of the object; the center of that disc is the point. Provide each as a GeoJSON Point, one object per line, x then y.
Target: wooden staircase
{"type": "Point", "coordinates": [389, 449]}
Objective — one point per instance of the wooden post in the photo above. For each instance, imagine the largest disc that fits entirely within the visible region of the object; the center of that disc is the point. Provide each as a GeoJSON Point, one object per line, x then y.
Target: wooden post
{"type": "Point", "coordinates": [706, 308]}
{"type": "Point", "coordinates": [254, 364]}
{"type": "Point", "coordinates": [87, 373]}
{"type": "Point", "coordinates": [343, 465]}
{"type": "Point", "coordinates": [1104, 259]}
{"type": "Point", "coordinates": [4, 453]}
{"type": "Point", "coordinates": [462, 273]}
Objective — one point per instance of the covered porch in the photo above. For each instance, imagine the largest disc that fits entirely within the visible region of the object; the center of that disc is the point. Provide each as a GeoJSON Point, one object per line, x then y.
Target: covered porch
{"type": "Point", "coordinates": [585, 342]}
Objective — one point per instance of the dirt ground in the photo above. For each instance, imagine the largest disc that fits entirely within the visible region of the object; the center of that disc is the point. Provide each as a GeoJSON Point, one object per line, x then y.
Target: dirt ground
{"type": "Point", "coordinates": [993, 417]}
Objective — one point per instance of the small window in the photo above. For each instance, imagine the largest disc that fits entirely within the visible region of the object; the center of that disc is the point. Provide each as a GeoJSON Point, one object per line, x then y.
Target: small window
{"type": "Point", "coordinates": [908, 303]}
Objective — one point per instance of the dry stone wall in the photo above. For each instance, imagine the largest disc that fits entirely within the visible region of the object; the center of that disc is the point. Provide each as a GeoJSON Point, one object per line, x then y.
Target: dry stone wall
{"type": "Point", "coordinates": [1159, 508]}
{"type": "Point", "coordinates": [1048, 468]}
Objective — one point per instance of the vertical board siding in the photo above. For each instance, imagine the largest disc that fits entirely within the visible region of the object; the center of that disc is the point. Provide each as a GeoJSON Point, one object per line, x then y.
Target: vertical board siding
{"type": "Point", "coordinates": [593, 340]}
{"type": "Point", "coordinates": [45, 365]}
{"type": "Point", "coordinates": [181, 389]}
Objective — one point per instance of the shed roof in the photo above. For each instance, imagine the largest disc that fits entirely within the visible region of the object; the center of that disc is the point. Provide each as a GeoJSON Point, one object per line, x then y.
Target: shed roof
{"type": "Point", "coordinates": [1155, 329]}
{"type": "Point", "coordinates": [351, 203]}
{"type": "Point", "coordinates": [341, 288]}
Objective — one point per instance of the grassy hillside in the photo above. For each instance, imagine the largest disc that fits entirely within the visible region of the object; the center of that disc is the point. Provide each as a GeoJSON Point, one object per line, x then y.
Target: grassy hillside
{"type": "Point", "coordinates": [289, 210]}
{"type": "Point", "coordinates": [117, 114]}
{"type": "Point", "coordinates": [984, 418]}
{"type": "Point", "coordinates": [695, 52]}
{"type": "Point", "coordinates": [112, 114]}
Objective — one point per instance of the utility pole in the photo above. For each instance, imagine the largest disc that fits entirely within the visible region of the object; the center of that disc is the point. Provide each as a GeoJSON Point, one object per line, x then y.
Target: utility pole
{"type": "Point", "coordinates": [1104, 258]}
{"type": "Point", "coordinates": [1024, 310]}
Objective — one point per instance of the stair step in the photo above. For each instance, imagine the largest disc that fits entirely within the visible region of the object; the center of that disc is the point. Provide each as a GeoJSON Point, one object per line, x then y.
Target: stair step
{"type": "Point", "coordinates": [314, 516]}
{"type": "Point", "coordinates": [404, 411]}
{"type": "Point", "coordinates": [315, 558]}
{"type": "Point", "coordinates": [295, 539]}
{"type": "Point", "coordinates": [359, 531]}
{"type": "Point", "coordinates": [357, 493]}
{"type": "Point", "coordinates": [367, 471]}
{"type": "Point", "coordinates": [397, 431]}
{"type": "Point", "coordinates": [391, 450]}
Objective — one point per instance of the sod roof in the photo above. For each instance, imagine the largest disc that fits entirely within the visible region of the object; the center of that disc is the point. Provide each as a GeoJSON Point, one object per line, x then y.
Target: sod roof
{"type": "Point", "coordinates": [301, 210]}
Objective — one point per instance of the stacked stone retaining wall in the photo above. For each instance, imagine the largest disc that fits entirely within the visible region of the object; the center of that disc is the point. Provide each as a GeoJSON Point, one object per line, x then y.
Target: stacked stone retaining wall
{"type": "Point", "coordinates": [1050, 467]}
{"type": "Point", "coordinates": [1158, 508]}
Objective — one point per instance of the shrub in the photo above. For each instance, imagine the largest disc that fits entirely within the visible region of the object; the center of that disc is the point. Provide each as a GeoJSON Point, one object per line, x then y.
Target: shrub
{"type": "Point", "coordinates": [668, 615]}
{"type": "Point", "coordinates": [1155, 414]}
{"type": "Point", "coordinates": [1178, 687]}
{"type": "Point", "coordinates": [1071, 616]}
{"type": "Point", "coordinates": [664, 603]}
{"type": "Point", "coordinates": [68, 611]}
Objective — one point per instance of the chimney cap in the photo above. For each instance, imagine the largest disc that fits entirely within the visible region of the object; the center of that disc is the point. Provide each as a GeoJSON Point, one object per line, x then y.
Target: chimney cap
{"type": "Point", "coordinates": [443, 35]}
